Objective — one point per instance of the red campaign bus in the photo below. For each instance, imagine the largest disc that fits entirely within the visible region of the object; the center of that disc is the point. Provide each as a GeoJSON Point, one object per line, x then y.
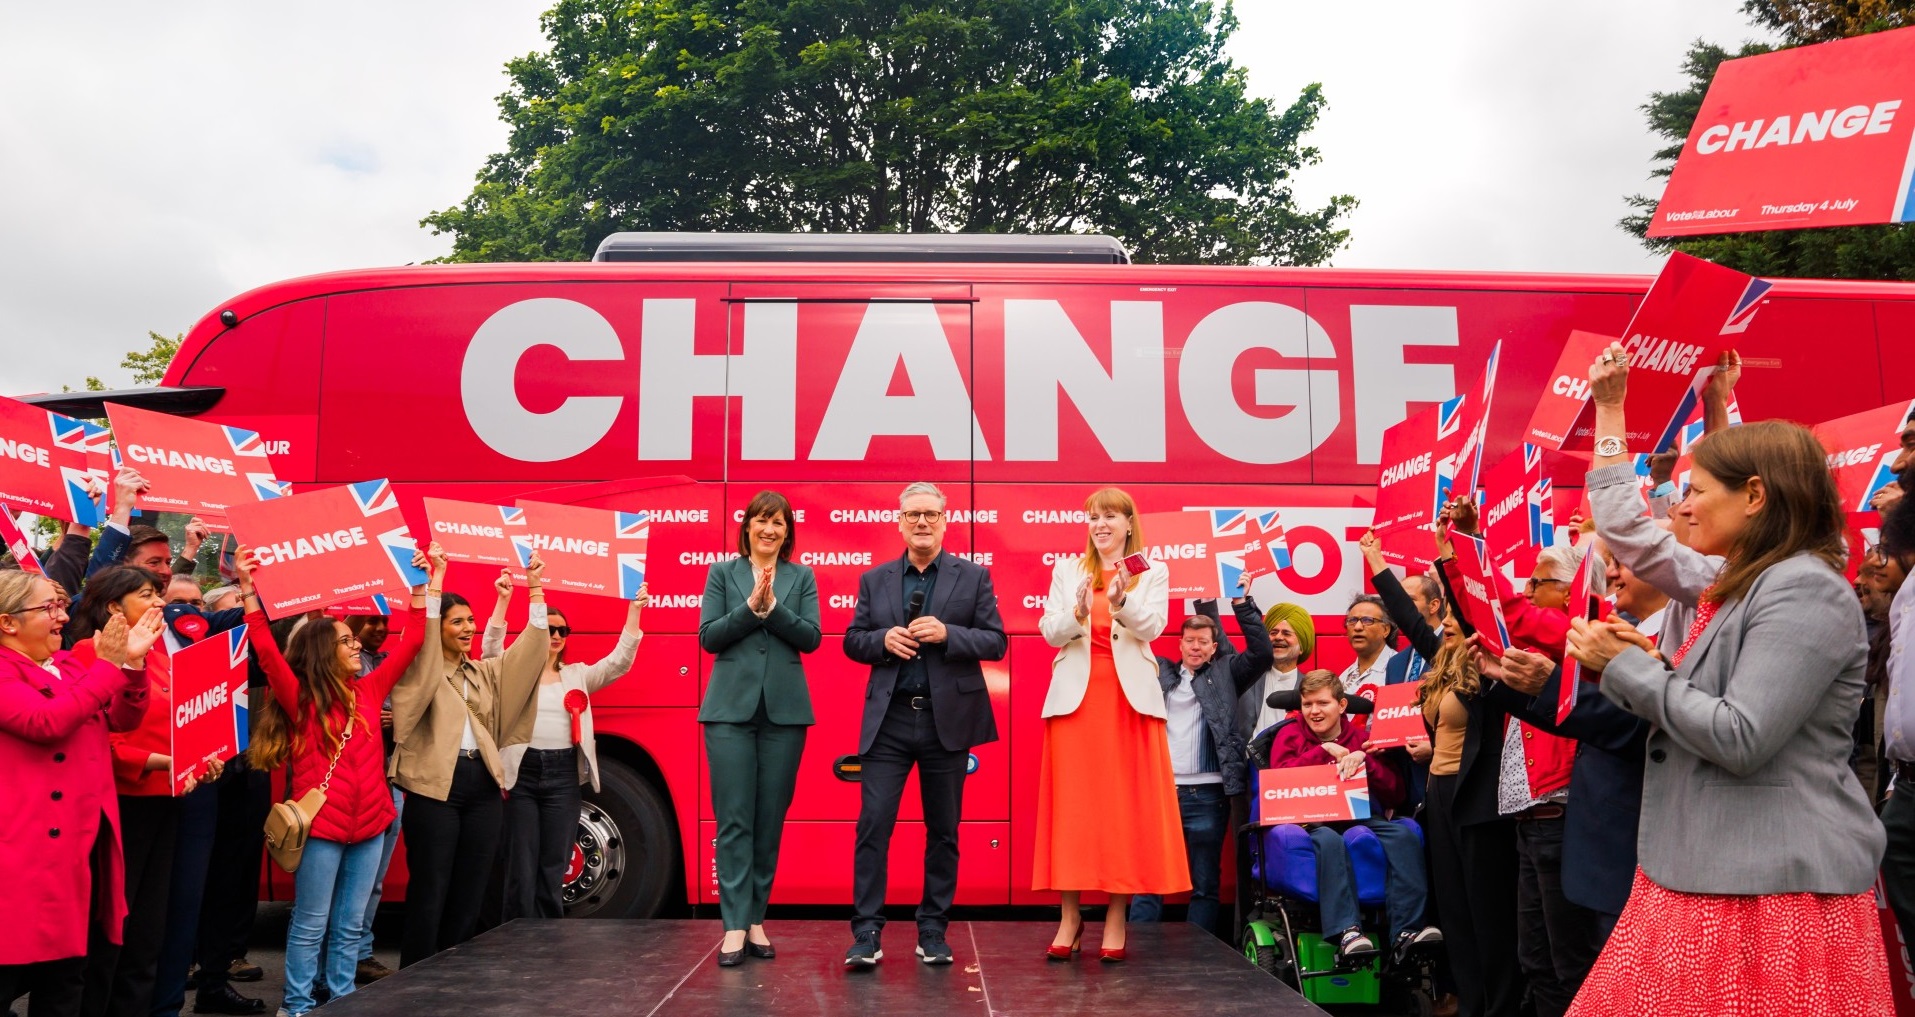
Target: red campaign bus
{"type": "Point", "coordinates": [681, 374]}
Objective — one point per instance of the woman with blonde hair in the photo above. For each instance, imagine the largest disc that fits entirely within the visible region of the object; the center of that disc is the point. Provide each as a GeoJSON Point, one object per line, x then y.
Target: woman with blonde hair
{"type": "Point", "coordinates": [1107, 814]}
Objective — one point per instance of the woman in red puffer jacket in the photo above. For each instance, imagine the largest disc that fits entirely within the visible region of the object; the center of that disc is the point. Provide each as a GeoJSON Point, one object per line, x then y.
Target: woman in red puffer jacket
{"type": "Point", "coordinates": [324, 721]}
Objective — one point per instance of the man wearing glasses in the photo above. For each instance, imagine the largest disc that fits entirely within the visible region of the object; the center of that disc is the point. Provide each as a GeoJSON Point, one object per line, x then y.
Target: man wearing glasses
{"type": "Point", "coordinates": [1367, 626]}
{"type": "Point", "coordinates": [925, 622]}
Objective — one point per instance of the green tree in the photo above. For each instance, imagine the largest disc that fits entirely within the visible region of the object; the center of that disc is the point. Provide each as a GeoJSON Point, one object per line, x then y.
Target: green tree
{"type": "Point", "coordinates": [149, 365]}
{"type": "Point", "coordinates": [1845, 252]}
{"type": "Point", "coordinates": [1114, 116]}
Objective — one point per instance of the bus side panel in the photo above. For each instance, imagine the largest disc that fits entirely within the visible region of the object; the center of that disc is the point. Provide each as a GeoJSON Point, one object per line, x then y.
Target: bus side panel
{"type": "Point", "coordinates": [1144, 384]}
{"type": "Point", "coordinates": [269, 366]}
{"type": "Point", "coordinates": [1397, 351]}
{"type": "Point", "coordinates": [530, 383]}
{"type": "Point", "coordinates": [1809, 361]}
{"type": "Point", "coordinates": [1895, 339]}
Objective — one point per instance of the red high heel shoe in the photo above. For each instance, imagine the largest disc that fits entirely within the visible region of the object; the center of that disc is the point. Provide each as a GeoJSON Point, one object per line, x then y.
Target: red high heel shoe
{"type": "Point", "coordinates": [1109, 956]}
{"type": "Point", "coordinates": [1064, 953]}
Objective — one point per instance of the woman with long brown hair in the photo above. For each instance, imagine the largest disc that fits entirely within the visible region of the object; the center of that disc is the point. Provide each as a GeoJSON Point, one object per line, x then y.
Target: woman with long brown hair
{"type": "Point", "coordinates": [322, 719]}
{"type": "Point", "coordinates": [1757, 847]}
{"type": "Point", "coordinates": [1472, 847]}
{"type": "Point", "coordinates": [1107, 813]}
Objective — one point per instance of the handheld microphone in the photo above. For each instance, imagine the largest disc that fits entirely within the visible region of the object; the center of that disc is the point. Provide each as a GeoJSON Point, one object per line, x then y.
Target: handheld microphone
{"type": "Point", "coordinates": [916, 608]}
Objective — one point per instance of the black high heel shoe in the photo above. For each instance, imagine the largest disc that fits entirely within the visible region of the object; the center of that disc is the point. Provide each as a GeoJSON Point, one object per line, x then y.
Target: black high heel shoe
{"type": "Point", "coordinates": [731, 958]}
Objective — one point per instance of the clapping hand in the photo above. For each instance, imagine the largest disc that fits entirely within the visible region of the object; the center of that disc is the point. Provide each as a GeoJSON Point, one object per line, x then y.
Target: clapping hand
{"type": "Point", "coordinates": [1083, 600]}
{"type": "Point", "coordinates": [1119, 586]}
{"type": "Point", "coordinates": [760, 600]}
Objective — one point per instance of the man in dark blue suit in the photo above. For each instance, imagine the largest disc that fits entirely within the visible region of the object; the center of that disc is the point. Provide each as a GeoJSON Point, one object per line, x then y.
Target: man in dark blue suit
{"type": "Point", "coordinates": [925, 622]}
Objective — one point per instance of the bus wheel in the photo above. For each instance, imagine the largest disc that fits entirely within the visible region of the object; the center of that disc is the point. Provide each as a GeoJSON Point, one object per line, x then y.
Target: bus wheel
{"type": "Point", "coordinates": [626, 855]}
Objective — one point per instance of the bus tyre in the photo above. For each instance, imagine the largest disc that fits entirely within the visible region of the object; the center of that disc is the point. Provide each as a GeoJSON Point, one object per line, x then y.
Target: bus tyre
{"type": "Point", "coordinates": [627, 853]}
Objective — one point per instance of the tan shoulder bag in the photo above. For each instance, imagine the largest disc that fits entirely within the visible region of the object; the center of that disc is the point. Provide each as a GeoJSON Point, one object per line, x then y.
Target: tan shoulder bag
{"type": "Point", "coordinates": [290, 822]}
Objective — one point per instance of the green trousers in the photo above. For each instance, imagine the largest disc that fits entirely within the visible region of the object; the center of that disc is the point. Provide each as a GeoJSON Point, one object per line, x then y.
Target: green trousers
{"type": "Point", "coordinates": [754, 770]}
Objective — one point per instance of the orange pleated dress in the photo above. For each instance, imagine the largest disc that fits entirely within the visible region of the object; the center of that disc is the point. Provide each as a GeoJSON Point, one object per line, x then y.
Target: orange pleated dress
{"type": "Point", "coordinates": [1107, 816]}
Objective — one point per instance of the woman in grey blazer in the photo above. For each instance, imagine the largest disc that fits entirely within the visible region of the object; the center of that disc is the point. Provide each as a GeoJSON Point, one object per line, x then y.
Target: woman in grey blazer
{"type": "Point", "coordinates": [758, 615]}
{"type": "Point", "coordinates": [1757, 845]}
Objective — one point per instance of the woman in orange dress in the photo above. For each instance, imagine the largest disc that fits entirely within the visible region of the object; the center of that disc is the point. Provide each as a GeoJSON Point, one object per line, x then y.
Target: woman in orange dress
{"type": "Point", "coordinates": [1107, 816]}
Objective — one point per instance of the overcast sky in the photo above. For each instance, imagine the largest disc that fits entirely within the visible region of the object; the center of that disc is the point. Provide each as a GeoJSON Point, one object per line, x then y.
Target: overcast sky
{"type": "Point", "coordinates": [158, 159]}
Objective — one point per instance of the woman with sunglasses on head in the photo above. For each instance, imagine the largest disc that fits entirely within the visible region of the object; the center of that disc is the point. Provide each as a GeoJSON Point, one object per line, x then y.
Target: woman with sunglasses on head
{"type": "Point", "coordinates": [61, 874]}
{"type": "Point", "coordinates": [448, 721]}
{"type": "Point", "coordinates": [322, 720]}
{"type": "Point", "coordinates": [544, 775]}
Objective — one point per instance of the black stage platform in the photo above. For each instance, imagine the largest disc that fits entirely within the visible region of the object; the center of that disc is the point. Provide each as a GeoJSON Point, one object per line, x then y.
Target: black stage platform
{"type": "Point", "coordinates": [643, 968]}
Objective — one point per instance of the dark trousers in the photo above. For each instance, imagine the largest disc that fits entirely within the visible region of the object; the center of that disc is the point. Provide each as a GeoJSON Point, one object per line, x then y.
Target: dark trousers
{"type": "Point", "coordinates": [1556, 939]}
{"type": "Point", "coordinates": [232, 875]}
{"type": "Point", "coordinates": [449, 850]}
{"type": "Point", "coordinates": [192, 852]}
{"type": "Point", "coordinates": [1205, 811]}
{"type": "Point", "coordinates": [1898, 863]}
{"type": "Point", "coordinates": [1473, 870]}
{"type": "Point", "coordinates": [119, 979]}
{"type": "Point", "coordinates": [55, 986]}
{"type": "Point", "coordinates": [754, 772]}
{"type": "Point", "coordinates": [541, 829]}
{"type": "Point", "coordinates": [908, 737]}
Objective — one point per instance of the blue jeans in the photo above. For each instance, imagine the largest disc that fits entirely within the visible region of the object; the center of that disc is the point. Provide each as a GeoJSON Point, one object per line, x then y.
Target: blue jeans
{"type": "Point", "coordinates": [386, 844]}
{"type": "Point", "coordinates": [1206, 818]}
{"type": "Point", "coordinates": [1406, 889]}
{"type": "Point", "coordinates": [329, 905]}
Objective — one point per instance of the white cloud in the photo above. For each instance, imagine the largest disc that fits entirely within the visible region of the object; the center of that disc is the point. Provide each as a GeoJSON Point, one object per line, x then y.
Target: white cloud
{"type": "Point", "coordinates": [1491, 134]}
{"type": "Point", "coordinates": [158, 159]}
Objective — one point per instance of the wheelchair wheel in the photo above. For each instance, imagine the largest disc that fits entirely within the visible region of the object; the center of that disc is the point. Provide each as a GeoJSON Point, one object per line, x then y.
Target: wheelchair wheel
{"type": "Point", "coordinates": [1268, 951]}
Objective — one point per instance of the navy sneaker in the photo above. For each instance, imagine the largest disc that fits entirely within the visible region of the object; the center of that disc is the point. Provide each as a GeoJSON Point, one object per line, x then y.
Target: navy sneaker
{"type": "Point", "coordinates": [865, 953]}
{"type": "Point", "coordinates": [932, 949]}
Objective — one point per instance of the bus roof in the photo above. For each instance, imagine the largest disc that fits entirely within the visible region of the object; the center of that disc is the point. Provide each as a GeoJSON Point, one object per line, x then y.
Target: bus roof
{"type": "Point", "coordinates": [889, 248]}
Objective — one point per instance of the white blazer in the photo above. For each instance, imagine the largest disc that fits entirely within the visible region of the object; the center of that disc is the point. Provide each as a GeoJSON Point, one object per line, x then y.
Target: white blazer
{"type": "Point", "coordinates": [1146, 610]}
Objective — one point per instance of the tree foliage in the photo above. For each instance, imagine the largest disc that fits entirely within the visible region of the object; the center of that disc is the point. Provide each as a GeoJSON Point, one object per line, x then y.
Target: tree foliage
{"type": "Point", "coordinates": [1843, 252]}
{"type": "Point", "coordinates": [1114, 116]}
{"type": "Point", "coordinates": [149, 365]}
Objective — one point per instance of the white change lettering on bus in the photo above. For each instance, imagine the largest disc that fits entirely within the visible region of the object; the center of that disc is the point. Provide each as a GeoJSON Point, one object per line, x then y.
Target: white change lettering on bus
{"type": "Point", "coordinates": [1289, 410]}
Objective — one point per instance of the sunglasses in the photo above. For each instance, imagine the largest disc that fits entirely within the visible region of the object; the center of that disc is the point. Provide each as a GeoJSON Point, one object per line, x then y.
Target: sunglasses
{"type": "Point", "coordinates": [561, 631]}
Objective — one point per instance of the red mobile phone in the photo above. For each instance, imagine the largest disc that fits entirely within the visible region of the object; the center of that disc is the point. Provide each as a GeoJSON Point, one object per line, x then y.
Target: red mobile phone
{"type": "Point", "coordinates": [1137, 564]}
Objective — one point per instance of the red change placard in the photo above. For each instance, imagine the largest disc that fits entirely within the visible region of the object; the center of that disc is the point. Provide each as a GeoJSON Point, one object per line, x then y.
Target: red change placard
{"type": "Point", "coordinates": [1310, 794]}
{"type": "Point", "coordinates": [1476, 593]}
{"type": "Point", "coordinates": [1813, 136]}
{"type": "Point", "coordinates": [585, 550]}
{"type": "Point", "coordinates": [328, 547]}
{"type": "Point", "coordinates": [43, 464]}
{"type": "Point", "coordinates": [1407, 492]}
{"type": "Point", "coordinates": [209, 703]}
{"type": "Point", "coordinates": [1861, 446]}
{"type": "Point", "coordinates": [473, 532]}
{"type": "Point", "coordinates": [1693, 312]}
{"type": "Point", "coordinates": [1208, 550]}
{"type": "Point", "coordinates": [1511, 508]}
{"type": "Point", "coordinates": [1397, 720]}
{"type": "Point", "coordinates": [194, 467]}
{"type": "Point", "coordinates": [1468, 424]}
{"type": "Point", "coordinates": [16, 544]}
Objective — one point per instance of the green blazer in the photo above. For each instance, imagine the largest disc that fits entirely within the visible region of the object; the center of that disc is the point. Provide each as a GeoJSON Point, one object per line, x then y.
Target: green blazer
{"type": "Point", "coordinates": [758, 657]}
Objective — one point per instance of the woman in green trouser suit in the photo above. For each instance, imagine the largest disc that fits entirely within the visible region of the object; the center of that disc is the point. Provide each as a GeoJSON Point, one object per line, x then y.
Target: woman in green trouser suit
{"type": "Point", "coordinates": [760, 611]}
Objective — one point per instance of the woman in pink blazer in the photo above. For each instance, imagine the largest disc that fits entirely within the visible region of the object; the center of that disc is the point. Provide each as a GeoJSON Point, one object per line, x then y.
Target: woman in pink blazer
{"type": "Point", "coordinates": [60, 870]}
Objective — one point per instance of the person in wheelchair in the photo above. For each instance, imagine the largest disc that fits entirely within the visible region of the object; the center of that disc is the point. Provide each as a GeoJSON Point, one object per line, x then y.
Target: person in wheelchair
{"type": "Point", "coordinates": [1319, 736]}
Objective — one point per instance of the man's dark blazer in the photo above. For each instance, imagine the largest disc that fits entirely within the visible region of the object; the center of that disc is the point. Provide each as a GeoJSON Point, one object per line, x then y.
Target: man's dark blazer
{"type": "Point", "coordinates": [1605, 789]}
{"type": "Point", "coordinates": [964, 600]}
